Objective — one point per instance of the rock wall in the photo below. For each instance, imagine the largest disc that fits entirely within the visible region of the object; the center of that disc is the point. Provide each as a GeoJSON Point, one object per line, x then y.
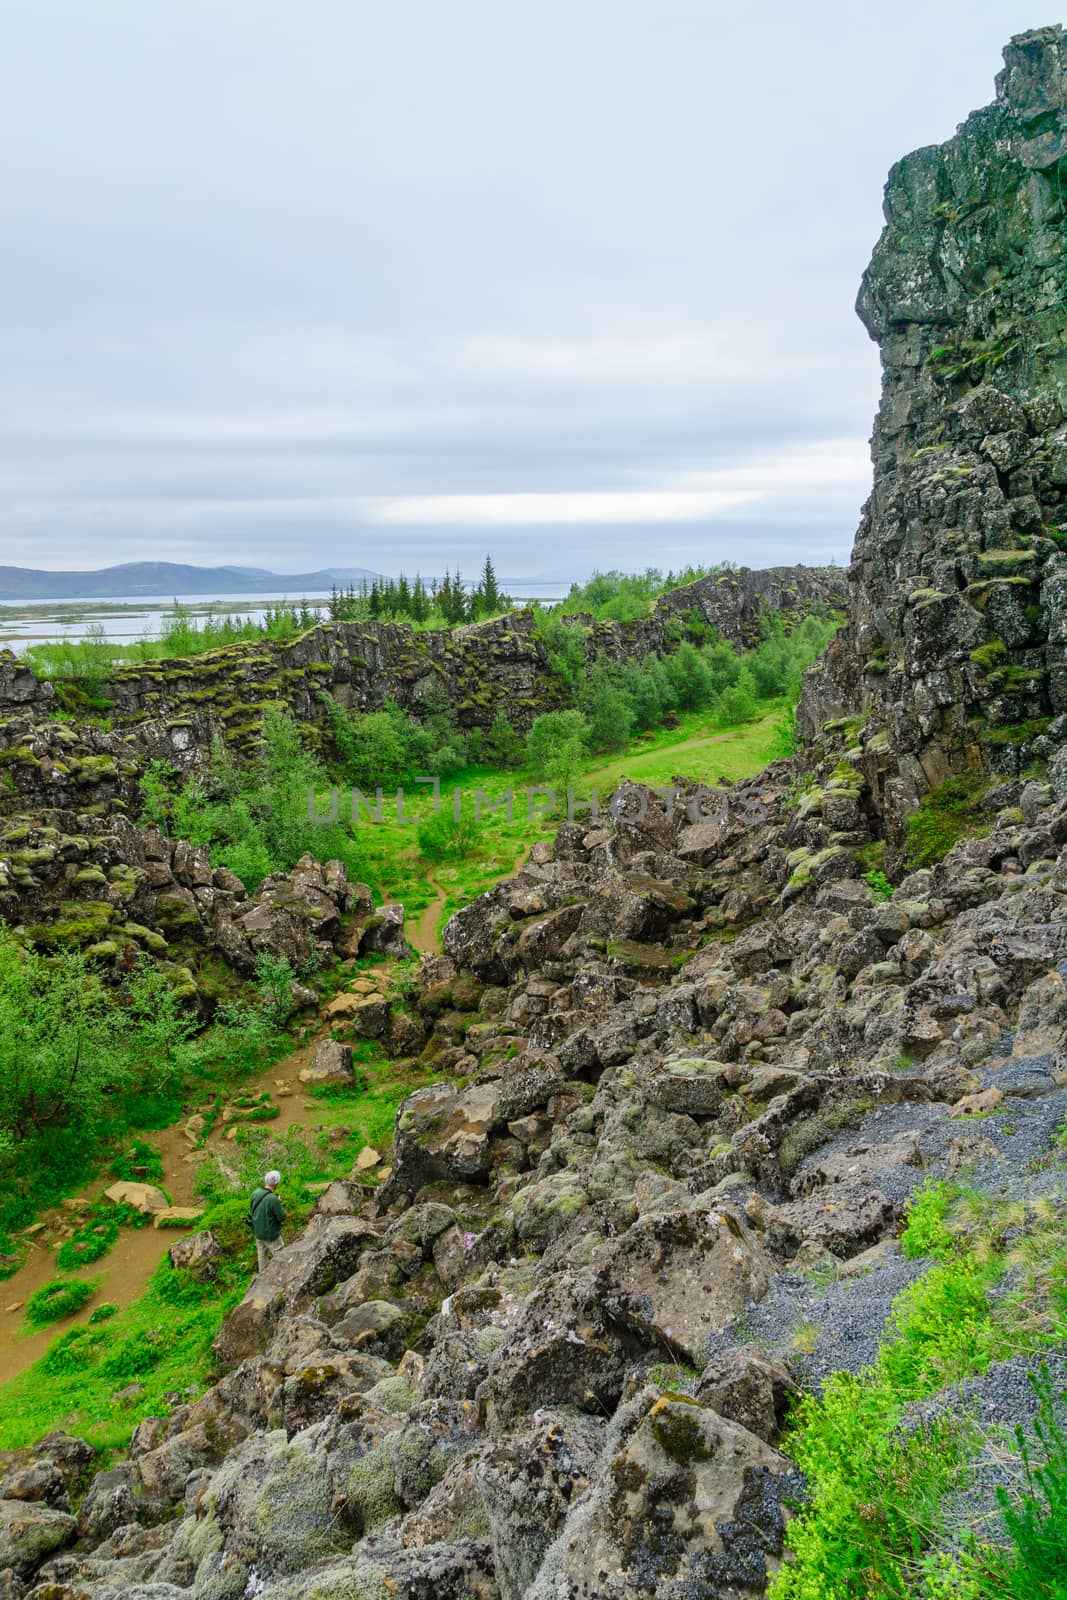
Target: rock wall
{"type": "Point", "coordinates": [735, 603]}
{"type": "Point", "coordinates": [955, 648]}
{"type": "Point", "coordinates": [74, 870]}
{"type": "Point", "coordinates": [174, 704]}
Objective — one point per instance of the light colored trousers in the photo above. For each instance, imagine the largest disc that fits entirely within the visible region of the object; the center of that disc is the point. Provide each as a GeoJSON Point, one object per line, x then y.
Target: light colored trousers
{"type": "Point", "coordinates": [265, 1248]}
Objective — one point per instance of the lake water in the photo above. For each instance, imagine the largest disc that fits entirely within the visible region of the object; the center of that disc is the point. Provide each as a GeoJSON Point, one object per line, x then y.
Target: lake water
{"type": "Point", "coordinates": [126, 619]}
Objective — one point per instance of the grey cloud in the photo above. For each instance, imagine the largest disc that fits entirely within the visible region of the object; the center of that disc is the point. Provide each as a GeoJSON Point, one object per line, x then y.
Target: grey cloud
{"type": "Point", "coordinates": [301, 258]}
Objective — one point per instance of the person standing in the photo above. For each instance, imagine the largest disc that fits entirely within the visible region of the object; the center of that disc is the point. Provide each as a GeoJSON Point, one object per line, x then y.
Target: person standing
{"type": "Point", "coordinates": [267, 1215]}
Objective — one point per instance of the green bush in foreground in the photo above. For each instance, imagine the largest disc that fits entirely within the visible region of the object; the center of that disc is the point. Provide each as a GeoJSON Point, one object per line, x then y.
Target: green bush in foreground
{"type": "Point", "coordinates": [874, 1525]}
{"type": "Point", "coordinates": [60, 1298]}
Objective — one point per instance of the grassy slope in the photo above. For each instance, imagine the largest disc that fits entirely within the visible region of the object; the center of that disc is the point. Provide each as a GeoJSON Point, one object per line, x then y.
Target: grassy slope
{"type": "Point", "coordinates": [695, 750]}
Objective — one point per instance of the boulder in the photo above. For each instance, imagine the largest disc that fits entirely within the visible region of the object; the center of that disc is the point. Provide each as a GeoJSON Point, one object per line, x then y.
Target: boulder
{"type": "Point", "coordinates": [270, 1507]}
{"type": "Point", "coordinates": [749, 1386]}
{"type": "Point", "coordinates": [676, 1277]}
{"type": "Point", "coordinates": [376, 1326]}
{"type": "Point", "coordinates": [370, 1018]}
{"type": "Point", "coordinates": [30, 1533]}
{"type": "Point", "coordinates": [323, 1256]}
{"type": "Point", "coordinates": [331, 1065]}
{"type": "Point", "coordinates": [143, 1197]}
{"type": "Point", "coordinates": [688, 1084]}
{"type": "Point", "coordinates": [111, 1502]}
{"type": "Point", "coordinates": [841, 1217]}
{"type": "Point", "coordinates": [685, 1503]}
{"type": "Point", "coordinates": [528, 1483]}
{"type": "Point", "coordinates": [384, 933]}
{"type": "Point", "coordinates": [197, 1254]}
{"type": "Point", "coordinates": [442, 1132]}
{"type": "Point", "coordinates": [558, 1352]}
{"type": "Point", "coordinates": [177, 1216]}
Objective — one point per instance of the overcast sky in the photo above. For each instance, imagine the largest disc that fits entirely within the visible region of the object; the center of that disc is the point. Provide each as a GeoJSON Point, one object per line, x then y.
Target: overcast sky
{"type": "Point", "coordinates": [390, 284]}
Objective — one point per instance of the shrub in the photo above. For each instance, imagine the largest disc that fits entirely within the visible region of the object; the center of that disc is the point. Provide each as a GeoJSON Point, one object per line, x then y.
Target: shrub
{"type": "Point", "coordinates": [91, 1241]}
{"type": "Point", "coordinates": [877, 881]}
{"type": "Point", "coordinates": [60, 1298]}
{"type": "Point", "coordinates": [69, 1045]}
{"type": "Point", "coordinates": [503, 747]}
{"type": "Point", "coordinates": [444, 836]}
{"type": "Point", "coordinates": [141, 1161]}
{"type": "Point", "coordinates": [72, 1351]}
{"type": "Point", "coordinates": [556, 746]}
{"type": "Point", "coordinates": [926, 1232]}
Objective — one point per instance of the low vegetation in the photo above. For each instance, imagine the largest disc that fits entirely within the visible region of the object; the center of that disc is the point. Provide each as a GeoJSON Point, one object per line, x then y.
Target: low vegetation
{"type": "Point", "coordinates": [948, 813]}
{"type": "Point", "coordinates": [89, 662]}
{"type": "Point", "coordinates": [83, 1061]}
{"type": "Point", "coordinates": [162, 1341]}
{"type": "Point", "coordinates": [888, 1485]}
{"type": "Point", "coordinates": [60, 1298]}
{"type": "Point", "coordinates": [625, 596]}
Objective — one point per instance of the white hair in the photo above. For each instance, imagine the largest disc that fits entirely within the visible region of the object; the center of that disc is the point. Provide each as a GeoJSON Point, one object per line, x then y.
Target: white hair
{"type": "Point", "coordinates": [271, 1180]}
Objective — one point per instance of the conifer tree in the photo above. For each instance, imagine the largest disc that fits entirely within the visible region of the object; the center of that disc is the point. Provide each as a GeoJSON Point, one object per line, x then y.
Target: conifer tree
{"type": "Point", "coordinates": [489, 589]}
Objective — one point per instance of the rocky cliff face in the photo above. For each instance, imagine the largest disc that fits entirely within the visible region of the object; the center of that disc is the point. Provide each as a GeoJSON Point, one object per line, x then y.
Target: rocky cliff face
{"type": "Point", "coordinates": [955, 648]}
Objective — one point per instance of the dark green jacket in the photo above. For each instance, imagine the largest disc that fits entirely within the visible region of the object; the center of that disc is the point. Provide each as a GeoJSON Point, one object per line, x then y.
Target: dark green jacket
{"type": "Point", "coordinates": [268, 1214]}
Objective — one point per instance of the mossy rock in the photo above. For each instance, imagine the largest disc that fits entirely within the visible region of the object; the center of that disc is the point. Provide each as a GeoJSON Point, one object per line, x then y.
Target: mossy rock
{"type": "Point", "coordinates": [89, 875]}
{"type": "Point", "coordinates": [986, 655]}
{"type": "Point", "coordinates": [151, 941]}
{"type": "Point", "coordinates": [42, 856]}
{"type": "Point", "coordinates": [675, 1420]}
{"type": "Point", "coordinates": [95, 769]}
{"type": "Point", "coordinates": [1006, 561]}
{"type": "Point", "coordinates": [103, 950]}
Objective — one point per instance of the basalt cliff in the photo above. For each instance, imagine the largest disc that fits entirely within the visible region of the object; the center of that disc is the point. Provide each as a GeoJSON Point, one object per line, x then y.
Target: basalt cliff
{"type": "Point", "coordinates": [954, 656]}
{"type": "Point", "coordinates": [686, 1070]}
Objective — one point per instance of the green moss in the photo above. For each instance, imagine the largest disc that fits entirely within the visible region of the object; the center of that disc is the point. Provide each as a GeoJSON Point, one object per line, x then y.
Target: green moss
{"type": "Point", "coordinates": [1012, 733]}
{"type": "Point", "coordinates": [986, 654]}
{"type": "Point", "coordinates": [1006, 560]}
{"type": "Point", "coordinates": [370, 1487]}
{"type": "Point", "coordinates": [675, 1421]}
{"type": "Point", "coordinates": [40, 857]}
{"type": "Point", "coordinates": [810, 1133]}
{"type": "Point", "coordinates": [94, 769]}
{"type": "Point", "coordinates": [948, 813]}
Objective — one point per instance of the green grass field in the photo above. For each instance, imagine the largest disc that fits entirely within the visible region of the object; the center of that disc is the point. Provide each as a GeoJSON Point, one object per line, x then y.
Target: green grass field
{"type": "Point", "coordinates": [696, 751]}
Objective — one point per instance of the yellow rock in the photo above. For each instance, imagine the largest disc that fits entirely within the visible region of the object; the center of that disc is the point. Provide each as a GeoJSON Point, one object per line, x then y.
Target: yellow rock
{"type": "Point", "coordinates": [144, 1197]}
{"type": "Point", "coordinates": [177, 1214]}
{"type": "Point", "coordinates": [344, 1005]}
{"type": "Point", "coordinates": [986, 1100]}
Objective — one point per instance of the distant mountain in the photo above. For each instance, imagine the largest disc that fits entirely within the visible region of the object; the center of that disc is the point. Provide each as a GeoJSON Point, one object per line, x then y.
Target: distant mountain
{"type": "Point", "coordinates": [134, 579]}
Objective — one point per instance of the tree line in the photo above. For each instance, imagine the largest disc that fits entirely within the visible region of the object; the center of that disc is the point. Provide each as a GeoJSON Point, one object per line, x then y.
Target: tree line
{"type": "Point", "coordinates": [443, 601]}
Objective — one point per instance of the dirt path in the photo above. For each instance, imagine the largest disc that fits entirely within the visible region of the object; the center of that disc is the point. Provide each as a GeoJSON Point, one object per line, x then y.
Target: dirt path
{"type": "Point", "coordinates": [125, 1270]}
{"type": "Point", "coordinates": [424, 936]}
